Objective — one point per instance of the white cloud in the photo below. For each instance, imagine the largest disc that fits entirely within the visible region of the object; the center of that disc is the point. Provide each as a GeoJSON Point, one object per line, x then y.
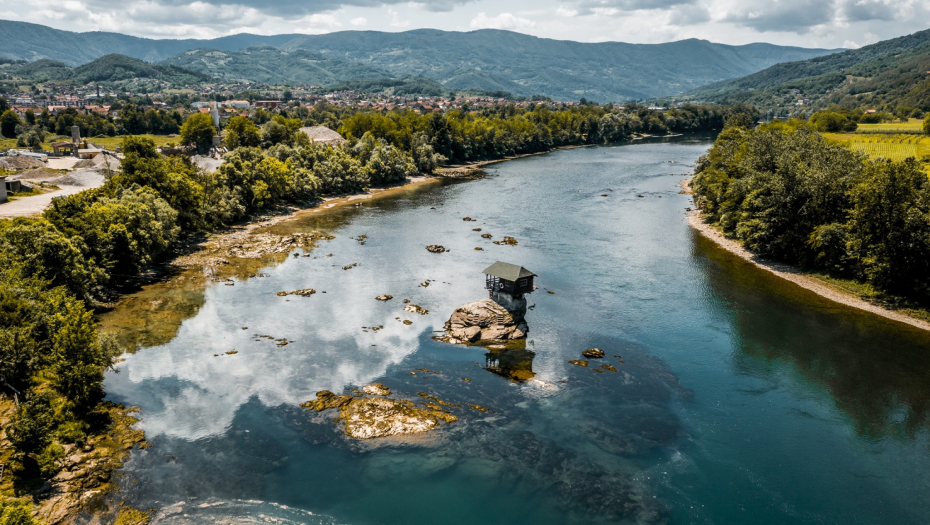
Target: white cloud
{"type": "Point", "coordinates": [828, 23]}
{"type": "Point", "coordinates": [396, 20]}
{"type": "Point", "coordinates": [501, 21]}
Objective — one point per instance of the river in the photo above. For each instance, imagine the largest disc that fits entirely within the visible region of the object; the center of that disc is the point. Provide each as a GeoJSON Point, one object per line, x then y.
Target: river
{"type": "Point", "coordinates": [738, 397]}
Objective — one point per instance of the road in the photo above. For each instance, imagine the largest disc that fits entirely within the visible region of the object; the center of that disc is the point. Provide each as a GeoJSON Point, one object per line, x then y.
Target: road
{"type": "Point", "coordinates": [36, 204]}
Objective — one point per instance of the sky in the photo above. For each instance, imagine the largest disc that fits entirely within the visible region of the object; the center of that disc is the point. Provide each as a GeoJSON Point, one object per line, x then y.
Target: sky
{"type": "Point", "coordinates": [807, 23]}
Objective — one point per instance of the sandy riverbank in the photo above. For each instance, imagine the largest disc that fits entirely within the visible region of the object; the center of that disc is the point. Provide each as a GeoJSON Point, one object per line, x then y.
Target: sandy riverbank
{"type": "Point", "coordinates": [789, 273]}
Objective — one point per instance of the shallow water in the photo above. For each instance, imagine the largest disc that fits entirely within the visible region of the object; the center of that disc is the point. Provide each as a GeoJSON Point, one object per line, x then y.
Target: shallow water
{"type": "Point", "coordinates": [739, 397]}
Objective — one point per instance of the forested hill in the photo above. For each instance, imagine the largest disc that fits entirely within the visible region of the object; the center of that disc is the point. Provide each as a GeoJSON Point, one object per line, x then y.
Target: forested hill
{"type": "Point", "coordinates": [526, 65]}
{"type": "Point", "coordinates": [25, 41]}
{"type": "Point", "coordinates": [887, 74]}
{"type": "Point", "coordinates": [108, 68]}
{"type": "Point", "coordinates": [264, 63]}
{"type": "Point", "coordinates": [485, 60]}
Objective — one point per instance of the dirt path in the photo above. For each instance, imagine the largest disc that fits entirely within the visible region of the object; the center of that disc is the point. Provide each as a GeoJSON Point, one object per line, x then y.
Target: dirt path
{"type": "Point", "coordinates": [36, 204]}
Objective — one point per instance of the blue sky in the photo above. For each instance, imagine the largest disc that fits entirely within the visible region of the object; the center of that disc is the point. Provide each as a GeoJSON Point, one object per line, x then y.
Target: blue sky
{"type": "Point", "coordinates": [808, 23]}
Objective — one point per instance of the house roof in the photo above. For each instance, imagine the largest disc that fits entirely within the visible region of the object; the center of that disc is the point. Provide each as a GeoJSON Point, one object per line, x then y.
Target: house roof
{"type": "Point", "coordinates": [323, 134]}
{"type": "Point", "coordinates": [507, 271]}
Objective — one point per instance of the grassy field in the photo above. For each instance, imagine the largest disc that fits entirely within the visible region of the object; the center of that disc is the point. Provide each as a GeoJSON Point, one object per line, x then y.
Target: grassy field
{"type": "Point", "coordinates": [113, 142]}
{"type": "Point", "coordinates": [888, 150]}
{"type": "Point", "coordinates": [895, 147]}
{"type": "Point", "coordinates": [913, 125]}
{"type": "Point", "coordinates": [105, 142]}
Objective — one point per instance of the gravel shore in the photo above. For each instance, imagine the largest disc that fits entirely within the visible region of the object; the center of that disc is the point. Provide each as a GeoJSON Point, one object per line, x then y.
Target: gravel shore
{"type": "Point", "coordinates": [789, 273]}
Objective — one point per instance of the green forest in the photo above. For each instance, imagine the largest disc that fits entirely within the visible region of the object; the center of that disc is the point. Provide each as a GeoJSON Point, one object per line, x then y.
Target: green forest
{"type": "Point", "coordinates": [890, 75]}
{"type": "Point", "coordinates": [789, 194]}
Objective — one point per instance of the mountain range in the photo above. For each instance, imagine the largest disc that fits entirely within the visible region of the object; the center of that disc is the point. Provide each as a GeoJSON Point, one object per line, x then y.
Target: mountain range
{"type": "Point", "coordinates": [484, 59]}
{"type": "Point", "coordinates": [891, 72]}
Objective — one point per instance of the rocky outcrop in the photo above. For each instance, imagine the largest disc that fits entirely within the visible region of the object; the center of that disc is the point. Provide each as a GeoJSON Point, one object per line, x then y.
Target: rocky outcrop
{"type": "Point", "coordinates": [483, 320]}
{"type": "Point", "coordinates": [376, 389]}
{"type": "Point", "coordinates": [85, 472]}
{"type": "Point", "coordinates": [373, 417]}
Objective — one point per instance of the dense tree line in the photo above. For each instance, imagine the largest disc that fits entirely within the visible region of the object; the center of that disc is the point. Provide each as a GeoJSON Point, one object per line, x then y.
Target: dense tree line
{"type": "Point", "coordinates": [461, 135]}
{"type": "Point", "coordinates": [131, 121]}
{"type": "Point", "coordinates": [788, 193]}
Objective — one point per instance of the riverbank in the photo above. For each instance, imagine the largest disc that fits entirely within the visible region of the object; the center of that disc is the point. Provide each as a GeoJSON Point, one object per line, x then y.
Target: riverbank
{"type": "Point", "coordinates": [86, 470]}
{"type": "Point", "coordinates": [474, 168]}
{"type": "Point", "coordinates": [794, 275]}
{"type": "Point", "coordinates": [251, 239]}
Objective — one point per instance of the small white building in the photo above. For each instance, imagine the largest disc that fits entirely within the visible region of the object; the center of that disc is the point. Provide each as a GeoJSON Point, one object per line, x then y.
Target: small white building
{"type": "Point", "coordinates": [240, 104]}
{"type": "Point", "coordinates": [323, 135]}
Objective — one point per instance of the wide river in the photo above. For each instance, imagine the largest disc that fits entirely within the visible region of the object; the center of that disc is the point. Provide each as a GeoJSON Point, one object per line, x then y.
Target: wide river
{"type": "Point", "coordinates": [739, 397]}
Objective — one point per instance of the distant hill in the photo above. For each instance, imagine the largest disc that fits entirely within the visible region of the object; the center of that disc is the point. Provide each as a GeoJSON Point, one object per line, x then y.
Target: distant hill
{"type": "Point", "coordinates": [114, 68]}
{"type": "Point", "coordinates": [486, 60]}
{"type": "Point", "coordinates": [264, 63]}
{"type": "Point", "coordinates": [407, 86]}
{"type": "Point", "coordinates": [108, 68]}
{"type": "Point", "coordinates": [890, 72]}
{"type": "Point", "coordinates": [525, 65]}
{"type": "Point", "coordinates": [25, 41]}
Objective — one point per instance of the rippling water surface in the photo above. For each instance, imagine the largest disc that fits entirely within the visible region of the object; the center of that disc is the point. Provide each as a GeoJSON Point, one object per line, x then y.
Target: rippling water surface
{"type": "Point", "coordinates": [738, 398]}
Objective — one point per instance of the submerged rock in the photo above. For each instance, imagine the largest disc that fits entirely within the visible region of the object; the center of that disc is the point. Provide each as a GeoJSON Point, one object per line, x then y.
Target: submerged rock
{"type": "Point", "coordinates": [373, 417]}
{"type": "Point", "coordinates": [416, 309]}
{"type": "Point", "coordinates": [514, 363]}
{"type": "Point", "coordinates": [376, 389]}
{"type": "Point", "coordinates": [326, 400]}
{"type": "Point", "coordinates": [305, 292]}
{"type": "Point", "coordinates": [508, 241]}
{"type": "Point", "coordinates": [435, 248]}
{"type": "Point", "coordinates": [483, 320]}
{"type": "Point", "coordinates": [579, 362]}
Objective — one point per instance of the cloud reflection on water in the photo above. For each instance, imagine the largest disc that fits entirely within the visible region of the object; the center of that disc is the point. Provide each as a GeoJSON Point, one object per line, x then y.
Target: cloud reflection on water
{"type": "Point", "coordinates": [198, 394]}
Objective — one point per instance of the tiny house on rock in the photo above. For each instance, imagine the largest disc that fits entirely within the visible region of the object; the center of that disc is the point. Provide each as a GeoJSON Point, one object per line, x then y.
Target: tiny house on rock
{"type": "Point", "coordinates": [507, 284]}
{"type": "Point", "coordinates": [508, 278]}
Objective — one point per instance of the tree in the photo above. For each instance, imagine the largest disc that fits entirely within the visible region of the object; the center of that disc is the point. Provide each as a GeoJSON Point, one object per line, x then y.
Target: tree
{"type": "Point", "coordinates": [78, 359]}
{"type": "Point", "coordinates": [8, 122]}
{"type": "Point", "coordinates": [740, 120]}
{"type": "Point", "coordinates": [890, 225]}
{"type": "Point", "coordinates": [198, 129]}
{"type": "Point", "coordinates": [831, 121]}
{"type": "Point", "coordinates": [241, 131]}
{"type": "Point", "coordinates": [33, 423]}
{"type": "Point", "coordinates": [927, 124]}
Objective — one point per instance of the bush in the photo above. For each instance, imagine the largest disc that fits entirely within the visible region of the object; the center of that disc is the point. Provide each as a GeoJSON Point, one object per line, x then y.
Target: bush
{"type": "Point", "coordinates": [16, 512]}
{"type": "Point", "coordinates": [830, 121]}
{"type": "Point", "coordinates": [33, 423]}
{"type": "Point", "coordinates": [48, 459]}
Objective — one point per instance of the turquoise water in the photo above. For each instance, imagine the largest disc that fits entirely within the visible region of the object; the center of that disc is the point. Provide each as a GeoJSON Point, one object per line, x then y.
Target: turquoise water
{"type": "Point", "coordinates": [739, 398]}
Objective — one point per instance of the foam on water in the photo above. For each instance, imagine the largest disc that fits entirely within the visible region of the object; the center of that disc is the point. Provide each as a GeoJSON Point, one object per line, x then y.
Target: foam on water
{"type": "Point", "coordinates": [236, 512]}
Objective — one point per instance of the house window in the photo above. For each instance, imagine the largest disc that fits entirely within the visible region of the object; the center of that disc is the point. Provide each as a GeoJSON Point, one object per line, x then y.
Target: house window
{"type": "Point", "coordinates": [522, 283]}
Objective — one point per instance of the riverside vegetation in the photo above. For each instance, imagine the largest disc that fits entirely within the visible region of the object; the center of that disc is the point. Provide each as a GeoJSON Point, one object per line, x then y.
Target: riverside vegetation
{"type": "Point", "coordinates": [56, 269]}
{"type": "Point", "coordinates": [788, 193]}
